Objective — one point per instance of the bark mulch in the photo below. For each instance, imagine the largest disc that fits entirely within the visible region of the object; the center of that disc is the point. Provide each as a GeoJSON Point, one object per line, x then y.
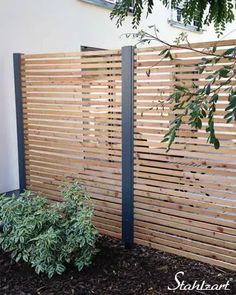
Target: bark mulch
{"type": "Point", "coordinates": [115, 271]}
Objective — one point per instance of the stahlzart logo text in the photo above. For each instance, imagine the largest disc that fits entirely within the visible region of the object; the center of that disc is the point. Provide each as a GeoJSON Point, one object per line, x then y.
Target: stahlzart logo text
{"type": "Point", "coordinates": [196, 285]}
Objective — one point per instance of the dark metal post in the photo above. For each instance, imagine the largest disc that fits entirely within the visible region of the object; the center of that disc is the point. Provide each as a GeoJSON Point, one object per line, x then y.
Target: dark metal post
{"type": "Point", "coordinates": [127, 146]}
{"type": "Point", "coordinates": [19, 121]}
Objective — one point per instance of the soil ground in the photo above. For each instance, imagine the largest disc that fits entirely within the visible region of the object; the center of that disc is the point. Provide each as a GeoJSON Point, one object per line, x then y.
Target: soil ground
{"type": "Point", "coordinates": [115, 271]}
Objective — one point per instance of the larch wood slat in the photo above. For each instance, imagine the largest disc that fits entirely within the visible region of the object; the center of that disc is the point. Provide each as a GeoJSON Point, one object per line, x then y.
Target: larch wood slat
{"type": "Point", "coordinates": [72, 117]}
{"type": "Point", "coordinates": [185, 200]}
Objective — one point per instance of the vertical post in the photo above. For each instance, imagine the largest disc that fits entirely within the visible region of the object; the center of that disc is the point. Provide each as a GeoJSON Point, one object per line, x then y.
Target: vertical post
{"type": "Point", "coordinates": [127, 146]}
{"type": "Point", "coordinates": [19, 121]}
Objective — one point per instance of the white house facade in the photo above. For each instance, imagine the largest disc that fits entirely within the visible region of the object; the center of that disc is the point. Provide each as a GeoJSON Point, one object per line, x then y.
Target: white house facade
{"type": "Point", "coordinates": [30, 26]}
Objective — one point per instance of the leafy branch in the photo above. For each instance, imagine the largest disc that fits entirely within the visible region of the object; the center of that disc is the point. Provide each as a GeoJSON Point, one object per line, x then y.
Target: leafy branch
{"type": "Point", "coordinates": [194, 105]}
{"type": "Point", "coordinates": [206, 12]}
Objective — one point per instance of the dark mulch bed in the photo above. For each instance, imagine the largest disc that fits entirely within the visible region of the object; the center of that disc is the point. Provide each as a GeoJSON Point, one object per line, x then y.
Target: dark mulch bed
{"type": "Point", "coordinates": [115, 271]}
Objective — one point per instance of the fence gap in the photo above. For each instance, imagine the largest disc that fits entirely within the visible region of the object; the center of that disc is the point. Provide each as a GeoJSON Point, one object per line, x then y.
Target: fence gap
{"type": "Point", "coordinates": [127, 146]}
{"type": "Point", "coordinates": [19, 121]}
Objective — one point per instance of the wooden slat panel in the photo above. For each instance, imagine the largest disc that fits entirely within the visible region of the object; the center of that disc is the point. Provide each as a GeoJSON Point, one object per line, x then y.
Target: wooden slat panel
{"type": "Point", "coordinates": [72, 54]}
{"type": "Point", "coordinates": [185, 200]}
{"type": "Point", "coordinates": [73, 128]}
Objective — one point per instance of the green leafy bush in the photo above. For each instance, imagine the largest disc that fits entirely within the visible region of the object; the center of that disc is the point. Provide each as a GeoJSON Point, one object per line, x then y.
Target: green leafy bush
{"type": "Point", "coordinates": [49, 236]}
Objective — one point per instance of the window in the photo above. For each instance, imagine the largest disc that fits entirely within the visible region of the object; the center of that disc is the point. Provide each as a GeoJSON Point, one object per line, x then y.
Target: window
{"type": "Point", "coordinates": [111, 1]}
{"type": "Point", "coordinates": [177, 20]}
{"type": "Point", "coordinates": [105, 3]}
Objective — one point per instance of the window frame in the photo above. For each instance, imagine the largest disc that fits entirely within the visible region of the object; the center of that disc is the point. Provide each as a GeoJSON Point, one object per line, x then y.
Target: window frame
{"type": "Point", "coordinates": [173, 21]}
{"type": "Point", "coordinates": [103, 3]}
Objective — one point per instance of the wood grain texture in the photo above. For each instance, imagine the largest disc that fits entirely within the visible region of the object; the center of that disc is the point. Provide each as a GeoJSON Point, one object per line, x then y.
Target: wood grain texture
{"type": "Point", "coordinates": [72, 117]}
{"type": "Point", "coordinates": [185, 200]}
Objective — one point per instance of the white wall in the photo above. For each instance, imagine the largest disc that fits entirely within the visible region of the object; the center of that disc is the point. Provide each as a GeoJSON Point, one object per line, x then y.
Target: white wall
{"type": "Point", "coordinates": [160, 17]}
{"type": "Point", "coordinates": [31, 26]}
{"type": "Point", "coordinates": [37, 26]}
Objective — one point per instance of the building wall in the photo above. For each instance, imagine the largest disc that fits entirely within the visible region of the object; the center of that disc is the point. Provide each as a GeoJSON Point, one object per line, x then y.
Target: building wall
{"type": "Point", "coordinates": [31, 26]}
{"type": "Point", "coordinates": [160, 17]}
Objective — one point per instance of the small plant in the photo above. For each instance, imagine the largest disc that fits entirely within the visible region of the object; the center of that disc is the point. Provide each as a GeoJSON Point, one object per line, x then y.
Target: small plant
{"type": "Point", "coordinates": [49, 236]}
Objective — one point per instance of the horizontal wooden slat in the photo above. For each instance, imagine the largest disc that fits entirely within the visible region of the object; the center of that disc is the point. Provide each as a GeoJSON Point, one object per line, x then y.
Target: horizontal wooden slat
{"type": "Point", "coordinates": [218, 43]}
{"type": "Point", "coordinates": [73, 128]}
{"type": "Point", "coordinates": [71, 54]}
{"type": "Point", "coordinates": [184, 200]}
{"type": "Point", "coordinates": [189, 245]}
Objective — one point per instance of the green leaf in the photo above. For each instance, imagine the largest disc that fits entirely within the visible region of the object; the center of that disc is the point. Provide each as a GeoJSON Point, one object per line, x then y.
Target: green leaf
{"type": "Point", "coordinates": [230, 114]}
{"type": "Point", "coordinates": [214, 98]}
{"type": "Point", "coordinates": [223, 73]}
{"type": "Point", "coordinates": [165, 139]}
{"type": "Point", "coordinates": [231, 105]}
{"type": "Point", "coordinates": [25, 258]}
{"type": "Point", "coordinates": [216, 143]}
{"type": "Point", "coordinates": [209, 77]}
{"type": "Point", "coordinates": [18, 257]}
{"type": "Point", "coordinates": [164, 51]}
{"type": "Point", "coordinates": [229, 120]}
{"type": "Point", "coordinates": [208, 89]}
{"type": "Point", "coordinates": [198, 123]}
{"type": "Point", "coordinates": [214, 49]}
{"type": "Point", "coordinates": [201, 69]}
{"type": "Point", "coordinates": [180, 88]}
{"type": "Point", "coordinates": [148, 72]}
{"type": "Point", "coordinates": [60, 268]}
{"type": "Point", "coordinates": [229, 51]}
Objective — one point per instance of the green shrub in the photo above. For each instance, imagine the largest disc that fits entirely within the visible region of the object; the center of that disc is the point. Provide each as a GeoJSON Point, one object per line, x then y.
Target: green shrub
{"type": "Point", "coordinates": [49, 236]}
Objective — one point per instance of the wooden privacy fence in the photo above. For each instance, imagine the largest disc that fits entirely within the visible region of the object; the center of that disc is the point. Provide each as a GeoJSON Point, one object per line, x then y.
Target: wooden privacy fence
{"type": "Point", "coordinates": [72, 119]}
{"type": "Point", "coordinates": [99, 118]}
{"type": "Point", "coordinates": [185, 200]}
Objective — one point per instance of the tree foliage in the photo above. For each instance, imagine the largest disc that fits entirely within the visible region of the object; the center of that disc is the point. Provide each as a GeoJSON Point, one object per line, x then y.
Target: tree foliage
{"type": "Point", "coordinates": [206, 12]}
{"type": "Point", "coordinates": [48, 237]}
{"type": "Point", "coordinates": [199, 103]}
{"type": "Point", "coordinates": [194, 105]}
